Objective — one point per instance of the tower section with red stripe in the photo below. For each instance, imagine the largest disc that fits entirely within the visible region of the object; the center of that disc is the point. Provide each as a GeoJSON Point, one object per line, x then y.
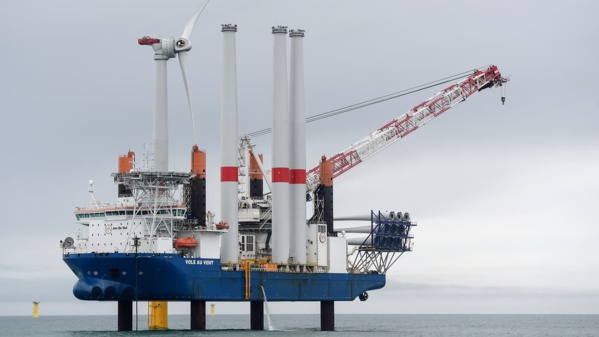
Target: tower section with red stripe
{"type": "Point", "coordinates": [297, 183]}
{"type": "Point", "coordinates": [280, 150]}
{"type": "Point", "coordinates": [228, 143]}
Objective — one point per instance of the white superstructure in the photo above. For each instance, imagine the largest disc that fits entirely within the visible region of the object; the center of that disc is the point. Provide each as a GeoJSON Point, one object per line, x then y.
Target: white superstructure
{"type": "Point", "coordinates": [149, 220]}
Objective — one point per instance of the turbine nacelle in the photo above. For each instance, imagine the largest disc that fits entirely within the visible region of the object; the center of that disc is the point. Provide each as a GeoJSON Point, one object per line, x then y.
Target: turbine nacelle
{"type": "Point", "coordinates": [164, 48]}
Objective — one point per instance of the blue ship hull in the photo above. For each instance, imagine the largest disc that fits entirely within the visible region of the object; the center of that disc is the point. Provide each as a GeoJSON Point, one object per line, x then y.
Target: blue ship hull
{"type": "Point", "coordinates": [170, 277]}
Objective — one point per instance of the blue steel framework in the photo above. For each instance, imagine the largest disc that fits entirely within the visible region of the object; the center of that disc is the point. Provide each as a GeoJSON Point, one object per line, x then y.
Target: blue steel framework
{"type": "Point", "coordinates": [388, 239]}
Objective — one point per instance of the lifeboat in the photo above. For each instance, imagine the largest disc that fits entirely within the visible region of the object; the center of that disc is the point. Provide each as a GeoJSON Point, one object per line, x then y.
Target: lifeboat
{"type": "Point", "coordinates": [186, 243]}
{"type": "Point", "coordinates": [222, 225]}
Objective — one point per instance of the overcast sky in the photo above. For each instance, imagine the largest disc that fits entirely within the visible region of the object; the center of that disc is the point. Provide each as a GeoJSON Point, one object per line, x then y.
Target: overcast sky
{"type": "Point", "coordinates": [505, 196]}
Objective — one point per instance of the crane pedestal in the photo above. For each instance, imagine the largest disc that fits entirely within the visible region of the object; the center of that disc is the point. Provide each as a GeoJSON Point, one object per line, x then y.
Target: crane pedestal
{"type": "Point", "coordinates": [327, 315]}
{"type": "Point", "coordinates": [198, 315]}
{"type": "Point", "coordinates": [257, 315]}
{"type": "Point", "coordinates": [125, 316]}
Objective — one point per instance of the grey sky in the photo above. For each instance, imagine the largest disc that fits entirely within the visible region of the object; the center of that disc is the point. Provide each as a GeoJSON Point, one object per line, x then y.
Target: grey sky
{"type": "Point", "coordinates": [505, 196]}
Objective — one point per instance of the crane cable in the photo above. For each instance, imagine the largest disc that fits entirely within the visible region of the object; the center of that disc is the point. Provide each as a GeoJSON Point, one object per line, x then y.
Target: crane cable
{"type": "Point", "coordinates": [380, 99]}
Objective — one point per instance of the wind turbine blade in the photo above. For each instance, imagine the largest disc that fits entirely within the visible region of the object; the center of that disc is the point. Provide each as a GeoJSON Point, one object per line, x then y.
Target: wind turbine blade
{"type": "Point", "coordinates": [189, 27]}
{"type": "Point", "coordinates": [183, 63]}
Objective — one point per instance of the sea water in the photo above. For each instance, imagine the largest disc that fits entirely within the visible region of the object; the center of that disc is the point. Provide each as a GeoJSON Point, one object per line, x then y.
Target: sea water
{"type": "Point", "coordinates": [309, 325]}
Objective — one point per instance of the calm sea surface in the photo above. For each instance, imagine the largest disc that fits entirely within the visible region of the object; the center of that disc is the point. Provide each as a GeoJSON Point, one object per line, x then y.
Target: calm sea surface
{"type": "Point", "coordinates": [308, 325]}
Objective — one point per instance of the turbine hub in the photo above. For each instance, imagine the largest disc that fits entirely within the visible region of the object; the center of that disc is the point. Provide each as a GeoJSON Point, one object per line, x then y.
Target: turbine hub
{"type": "Point", "coordinates": [182, 44]}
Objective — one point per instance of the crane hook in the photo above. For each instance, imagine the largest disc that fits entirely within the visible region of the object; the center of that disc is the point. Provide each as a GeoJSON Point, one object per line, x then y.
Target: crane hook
{"type": "Point", "coordinates": [502, 100]}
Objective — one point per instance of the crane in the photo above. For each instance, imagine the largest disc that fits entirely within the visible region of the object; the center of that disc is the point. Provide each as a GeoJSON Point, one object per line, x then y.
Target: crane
{"type": "Point", "coordinates": [408, 122]}
{"type": "Point", "coordinates": [397, 128]}
{"type": "Point", "coordinates": [369, 255]}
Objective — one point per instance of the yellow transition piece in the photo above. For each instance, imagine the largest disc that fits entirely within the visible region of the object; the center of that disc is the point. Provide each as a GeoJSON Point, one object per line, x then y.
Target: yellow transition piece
{"type": "Point", "coordinates": [158, 315]}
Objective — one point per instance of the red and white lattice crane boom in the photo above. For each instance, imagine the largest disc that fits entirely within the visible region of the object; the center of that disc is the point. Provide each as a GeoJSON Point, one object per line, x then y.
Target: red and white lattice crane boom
{"type": "Point", "coordinates": [408, 122]}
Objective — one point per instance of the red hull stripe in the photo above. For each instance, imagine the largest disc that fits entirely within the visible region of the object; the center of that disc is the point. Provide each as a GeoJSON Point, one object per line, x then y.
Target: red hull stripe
{"type": "Point", "coordinates": [297, 176]}
{"type": "Point", "coordinates": [228, 173]}
{"type": "Point", "coordinates": [280, 175]}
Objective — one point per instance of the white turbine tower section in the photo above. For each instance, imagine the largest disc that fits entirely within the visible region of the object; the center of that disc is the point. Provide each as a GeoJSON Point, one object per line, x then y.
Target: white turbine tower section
{"type": "Point", "coordinates": [228, 145]}
{"type": "Point", "coordinates": [161, 119]}
{"type": "Point", "coordinates": [164, 49]}
{"type": "Point", "coordinates": [280, 149]}
{"type": "Point", "coordinates": [297, 183]}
